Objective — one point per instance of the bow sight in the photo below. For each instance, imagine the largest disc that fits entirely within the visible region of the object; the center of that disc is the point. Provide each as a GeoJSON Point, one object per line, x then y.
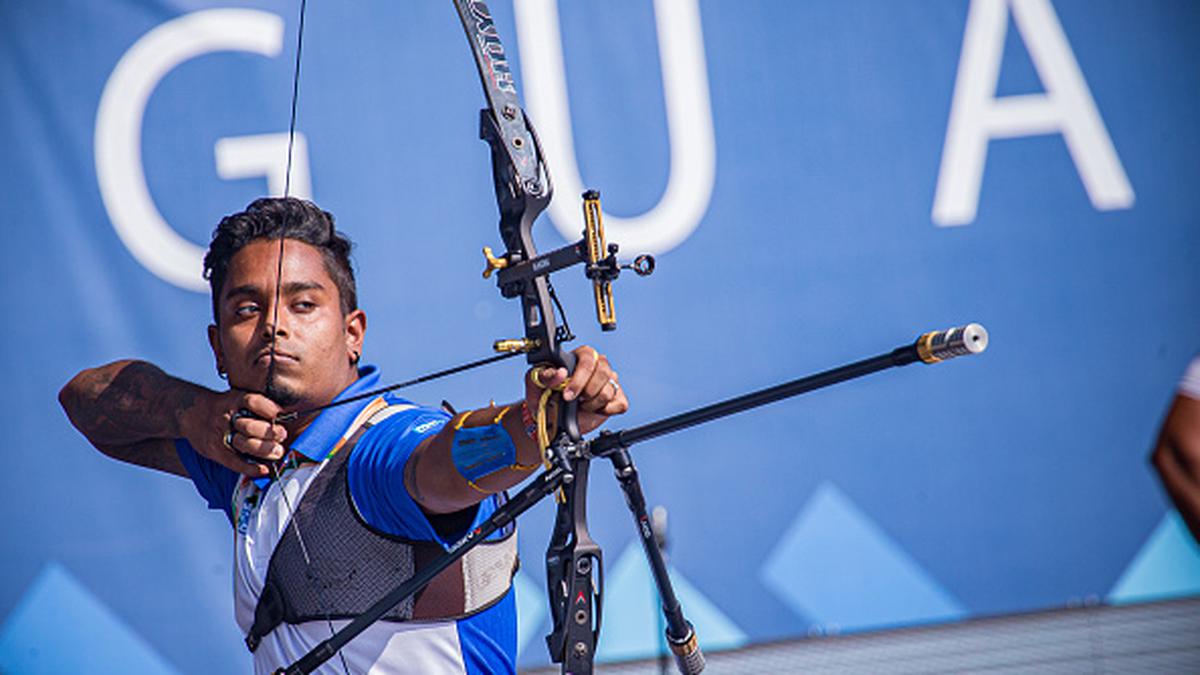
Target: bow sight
{"type": "Point", "coordinates": [601, 267]}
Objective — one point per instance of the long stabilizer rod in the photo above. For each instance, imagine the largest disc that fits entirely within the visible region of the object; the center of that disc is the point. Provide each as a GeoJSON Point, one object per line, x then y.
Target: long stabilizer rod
{"type": "Point", "coordinates": [932, 347]}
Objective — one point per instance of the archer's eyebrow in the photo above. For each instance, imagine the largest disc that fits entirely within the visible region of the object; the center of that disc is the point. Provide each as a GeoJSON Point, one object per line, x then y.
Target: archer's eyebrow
{"type": "Point", "coordinates": [292, 287]}
{"type": "Point", "coordinates": [245, 290]}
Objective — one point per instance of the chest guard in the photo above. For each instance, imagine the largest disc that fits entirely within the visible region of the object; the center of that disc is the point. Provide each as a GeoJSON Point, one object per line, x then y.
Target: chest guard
{"type": "Point", "coordinates": [351, 565]}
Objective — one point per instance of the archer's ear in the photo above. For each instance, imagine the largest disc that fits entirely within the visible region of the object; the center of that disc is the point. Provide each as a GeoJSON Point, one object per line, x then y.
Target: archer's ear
{"type": "Point", "coordinates": [214, 341]}
{"type": "Point", "coordinates": [356, 330]}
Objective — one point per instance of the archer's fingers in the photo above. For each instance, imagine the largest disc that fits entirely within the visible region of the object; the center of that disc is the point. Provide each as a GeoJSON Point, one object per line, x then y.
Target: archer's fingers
{"type": "Point", "coordinates": [619, 405]}
{"type": "Point", "coordinates": [260, 406]}
{"type": "Point", "coordinates": [257, 437]}
{"type": "Point", "coordinates": [587, 360]}
{"type": "Point", "coordinates": [545, 377]}
{"type": "Point", "coordinates": [602, 384]}
{"type": "Point", "coordinates": [589, 420]}
{"type": "Point", "coordinates": [261, 429]}
{"type": "Point", "coordinates": [610, 400]}
{"type": "Point", "coordinates": [257, 447]}
{"type": "Point", "coordinates": [227, 455]}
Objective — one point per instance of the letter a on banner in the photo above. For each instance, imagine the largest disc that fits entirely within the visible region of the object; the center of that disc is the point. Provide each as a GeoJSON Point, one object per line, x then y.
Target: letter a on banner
{"type": "Point", "coordinates": [977, 116]}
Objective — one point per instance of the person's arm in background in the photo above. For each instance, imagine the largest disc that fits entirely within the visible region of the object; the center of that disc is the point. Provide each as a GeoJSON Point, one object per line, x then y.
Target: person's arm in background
{"type": "Point", "coordinates": [1176, 454]}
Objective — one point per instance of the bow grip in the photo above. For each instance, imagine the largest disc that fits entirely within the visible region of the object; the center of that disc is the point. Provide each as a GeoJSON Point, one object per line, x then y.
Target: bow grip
{"type": "Point", "coordinates": [568, 421]}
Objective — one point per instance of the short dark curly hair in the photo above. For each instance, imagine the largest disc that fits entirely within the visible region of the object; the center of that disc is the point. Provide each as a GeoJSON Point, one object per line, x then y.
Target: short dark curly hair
{"type": "Point", "coordinates": [270, 218]}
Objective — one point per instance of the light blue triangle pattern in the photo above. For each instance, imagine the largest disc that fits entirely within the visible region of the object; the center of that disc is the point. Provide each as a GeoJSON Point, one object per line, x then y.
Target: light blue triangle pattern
{"type": "Point", "coordinates": [632, 621]}
{"type": "Point", "coordinates": [531, 609]}
{"type": "Point", "coordinates": [841, 571]}
{"type": "Point", "coordinates": [1168, 565]}
{"type": "Point", "coordinates": [60, 627]}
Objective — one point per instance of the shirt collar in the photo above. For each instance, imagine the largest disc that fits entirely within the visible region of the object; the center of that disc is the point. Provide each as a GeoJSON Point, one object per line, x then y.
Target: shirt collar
{"type": "Point", "coordinates": [327, 429]}
{"type": "Point", "coordinates": [331, 424]}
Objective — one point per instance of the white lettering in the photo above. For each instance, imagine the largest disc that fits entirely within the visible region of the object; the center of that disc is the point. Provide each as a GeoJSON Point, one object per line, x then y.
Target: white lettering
{"type": "Point", "coordinates": [118, 135]}
{"type": "Point", "coordinates": [689, 124]}
{"type": "Point", "coordinates": [977, 116]}
{"type": "Point", "coordinates": [266, 155]}
{"type": "Point", "coordinates": [426, 426]}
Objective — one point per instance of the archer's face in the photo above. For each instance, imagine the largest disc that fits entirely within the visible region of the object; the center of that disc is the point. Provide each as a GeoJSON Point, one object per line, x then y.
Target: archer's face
{"type": "Point", "coordinates": [315, 344]}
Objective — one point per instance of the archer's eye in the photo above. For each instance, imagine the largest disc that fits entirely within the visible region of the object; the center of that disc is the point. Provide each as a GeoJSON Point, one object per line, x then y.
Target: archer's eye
{"type": "Point", "coordinates": [246, 310]}
{"type": "Point", "coordinates": [304, 306]}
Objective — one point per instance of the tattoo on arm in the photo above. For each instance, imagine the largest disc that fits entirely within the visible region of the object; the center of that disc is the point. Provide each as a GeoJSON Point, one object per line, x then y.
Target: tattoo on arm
{"type": "Point", "coordinates": [127, 402]}
{"type": "Point", "coordinates": [129, 411]}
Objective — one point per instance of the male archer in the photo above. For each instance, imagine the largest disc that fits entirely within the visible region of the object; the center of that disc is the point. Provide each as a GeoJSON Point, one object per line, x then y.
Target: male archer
{"type": "Point", "coordinates": [333, 509]}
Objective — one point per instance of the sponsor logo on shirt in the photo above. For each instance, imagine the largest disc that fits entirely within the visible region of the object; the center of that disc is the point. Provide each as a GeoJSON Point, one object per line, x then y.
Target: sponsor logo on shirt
{"type": "Point", "coordinates": [246, 510]}
{"type": "Point", "coordinates": [426, 426]}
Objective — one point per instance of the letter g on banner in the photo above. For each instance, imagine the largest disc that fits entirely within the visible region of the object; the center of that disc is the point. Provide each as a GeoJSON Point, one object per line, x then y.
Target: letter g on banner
{"type": "Point", "coordinates": [118, 135]}
{"type": "Point", "coordinates": [689, 124]}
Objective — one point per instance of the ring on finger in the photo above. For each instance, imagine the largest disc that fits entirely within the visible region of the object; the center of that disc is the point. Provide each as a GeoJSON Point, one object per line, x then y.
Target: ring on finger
{"type": "Point", "coordinates": [227, 439]}
{"type": "Point", "coordinates": [616, 388]}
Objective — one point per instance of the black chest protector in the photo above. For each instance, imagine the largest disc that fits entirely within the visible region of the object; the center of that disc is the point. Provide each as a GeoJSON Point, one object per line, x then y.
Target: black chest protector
{"type": "Point", "coordinates": [339, 565]}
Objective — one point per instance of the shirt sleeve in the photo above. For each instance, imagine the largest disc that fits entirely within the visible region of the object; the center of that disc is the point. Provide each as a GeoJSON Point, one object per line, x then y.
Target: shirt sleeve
{"type": "Point", "coordinates": [1189, 384]}
{"type": "Point", "coordinates": [376, 473]}
{"type": "Point", "coordinates": [214, 482]}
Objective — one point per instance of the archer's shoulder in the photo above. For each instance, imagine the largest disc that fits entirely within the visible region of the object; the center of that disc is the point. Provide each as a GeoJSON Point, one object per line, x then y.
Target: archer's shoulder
{"type": "Point", "coordinates": [403, 419]}
{"type": "Point", "coordinates": [394, 434]}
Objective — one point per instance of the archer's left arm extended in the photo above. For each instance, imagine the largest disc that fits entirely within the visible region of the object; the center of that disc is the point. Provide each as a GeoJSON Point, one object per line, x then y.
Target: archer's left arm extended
{"type": "Point", "coordinates": [484, 451]}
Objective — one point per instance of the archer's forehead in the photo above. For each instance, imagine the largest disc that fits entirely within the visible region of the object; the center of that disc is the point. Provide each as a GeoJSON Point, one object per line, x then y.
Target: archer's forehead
{"type": "Point", "coordinates": [256, 266]}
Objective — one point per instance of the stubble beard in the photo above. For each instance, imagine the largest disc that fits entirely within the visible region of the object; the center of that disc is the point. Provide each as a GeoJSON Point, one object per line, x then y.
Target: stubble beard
{"type": "Point", "coordinates": [283, 395]}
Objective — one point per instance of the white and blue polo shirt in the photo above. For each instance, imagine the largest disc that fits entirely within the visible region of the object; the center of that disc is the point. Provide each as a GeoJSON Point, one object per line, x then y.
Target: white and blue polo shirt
{"type": "Point", "coordinates": [483, 643]}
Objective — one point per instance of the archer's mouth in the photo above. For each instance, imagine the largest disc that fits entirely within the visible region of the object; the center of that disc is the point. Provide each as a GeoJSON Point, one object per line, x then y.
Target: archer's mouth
{"type": "Point", "coordinates": [264, 358]}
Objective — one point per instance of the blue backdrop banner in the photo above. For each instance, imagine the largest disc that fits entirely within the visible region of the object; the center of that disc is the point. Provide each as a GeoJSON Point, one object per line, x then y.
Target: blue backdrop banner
{"type": "Point", "coordinates": [820, 181]}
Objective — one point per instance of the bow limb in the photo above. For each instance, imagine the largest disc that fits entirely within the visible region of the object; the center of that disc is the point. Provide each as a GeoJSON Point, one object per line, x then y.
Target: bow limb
{"type": "Point", "coordinates": [523, 190]}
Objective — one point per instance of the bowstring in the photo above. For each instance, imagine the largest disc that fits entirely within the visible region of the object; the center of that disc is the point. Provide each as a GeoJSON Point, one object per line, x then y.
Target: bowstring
{"type": "Point", "coordinates": [270, 379]}
{"type": "Point", "coordinates": [297, 414]}
{"type": "Point", "coordinates": [287, 192]}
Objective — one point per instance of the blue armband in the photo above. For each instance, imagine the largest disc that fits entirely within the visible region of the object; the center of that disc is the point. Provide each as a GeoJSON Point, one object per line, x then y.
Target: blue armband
{"type": "Point", "coordinates": [479, 451]}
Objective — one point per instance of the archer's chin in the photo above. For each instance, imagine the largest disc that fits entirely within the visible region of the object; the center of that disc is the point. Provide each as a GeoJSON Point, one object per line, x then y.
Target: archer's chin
{"type": "Point", "coordinates": [284, 393]}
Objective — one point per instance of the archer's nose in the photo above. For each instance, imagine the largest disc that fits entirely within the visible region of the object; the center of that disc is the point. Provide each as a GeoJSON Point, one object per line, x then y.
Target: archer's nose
{"type": "Point", "coordinates": [273, 329]}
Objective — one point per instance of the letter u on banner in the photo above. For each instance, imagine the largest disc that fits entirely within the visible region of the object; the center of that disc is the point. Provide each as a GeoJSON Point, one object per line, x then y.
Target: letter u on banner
{"type": "Point", "coordinates": [689, 124]}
